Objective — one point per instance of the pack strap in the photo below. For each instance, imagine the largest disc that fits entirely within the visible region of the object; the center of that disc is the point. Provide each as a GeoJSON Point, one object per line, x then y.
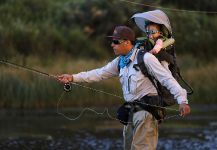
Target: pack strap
{"type": "Point", "coordinates": [163, 55]}
{"type": "Point", "coordinates": [141, 66]}
{"type": "Point", "coordinates": [191, 91]}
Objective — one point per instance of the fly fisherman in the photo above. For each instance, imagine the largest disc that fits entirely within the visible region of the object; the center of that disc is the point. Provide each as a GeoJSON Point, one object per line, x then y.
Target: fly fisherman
{"type": "Point", "coordinates": [141, 127]}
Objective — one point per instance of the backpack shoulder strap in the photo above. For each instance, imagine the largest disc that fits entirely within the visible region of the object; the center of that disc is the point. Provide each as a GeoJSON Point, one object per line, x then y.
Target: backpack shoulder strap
{"type": "Point", "coordinates": [119, 68]}
{"type": "Point", "coordinates": [140, 62]}
{"type": "Point", "coordinates": [141, 66]}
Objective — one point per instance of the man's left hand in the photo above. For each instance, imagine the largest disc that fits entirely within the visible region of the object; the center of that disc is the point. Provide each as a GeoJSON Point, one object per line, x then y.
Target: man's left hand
{"type": "Point", "coordinates": [184, 109]}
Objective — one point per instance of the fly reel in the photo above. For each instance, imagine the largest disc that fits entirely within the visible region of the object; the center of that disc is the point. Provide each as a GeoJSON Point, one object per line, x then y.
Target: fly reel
{"type": "Point", "coordinates": [67, 87]}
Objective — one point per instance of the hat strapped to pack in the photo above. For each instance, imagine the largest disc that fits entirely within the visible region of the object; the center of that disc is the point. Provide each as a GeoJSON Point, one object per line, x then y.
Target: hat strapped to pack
{"type": "Point", "coordinates": [155, 16]}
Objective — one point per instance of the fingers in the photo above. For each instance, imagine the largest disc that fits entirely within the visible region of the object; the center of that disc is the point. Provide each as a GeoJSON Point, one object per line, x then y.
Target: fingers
{"type": "Point", "coordinates": [184, 110]}
{"type": "Point", "coordinates": [64, 78]}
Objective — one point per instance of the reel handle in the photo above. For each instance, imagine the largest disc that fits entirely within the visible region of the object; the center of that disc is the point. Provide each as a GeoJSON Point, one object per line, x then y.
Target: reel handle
{"type": "Point", "coordinates": [67, 87]}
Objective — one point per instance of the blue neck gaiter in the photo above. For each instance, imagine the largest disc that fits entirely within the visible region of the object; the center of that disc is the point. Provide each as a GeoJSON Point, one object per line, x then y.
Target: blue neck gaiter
{"type": "Point", "coordinates": [125, 59]}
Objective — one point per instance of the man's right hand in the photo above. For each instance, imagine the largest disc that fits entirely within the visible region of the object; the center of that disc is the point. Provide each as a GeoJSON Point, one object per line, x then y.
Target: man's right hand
{"type": "Point", "coordinates": [65, 78]}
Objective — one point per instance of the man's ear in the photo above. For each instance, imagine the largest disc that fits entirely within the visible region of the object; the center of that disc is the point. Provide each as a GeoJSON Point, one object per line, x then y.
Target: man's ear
{"type": "Point", "coordinates": [126, 42]}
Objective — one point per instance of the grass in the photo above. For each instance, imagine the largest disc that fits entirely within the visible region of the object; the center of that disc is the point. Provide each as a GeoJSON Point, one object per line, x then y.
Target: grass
{"type": "Point", "coordinates": [202, 77]}
{"type": "Point", "coordinates": [21, 88]}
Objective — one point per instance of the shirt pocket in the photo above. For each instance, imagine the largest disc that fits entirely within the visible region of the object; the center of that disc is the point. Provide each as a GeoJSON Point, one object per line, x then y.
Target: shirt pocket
{"type": "Point", "coordinates": [132, 83]}
{"type": "Point", "coordinates": [122, 79]}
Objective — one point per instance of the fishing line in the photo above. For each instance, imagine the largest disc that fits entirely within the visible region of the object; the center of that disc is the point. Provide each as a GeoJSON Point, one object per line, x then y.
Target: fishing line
{"type": "Point", "coordinates": [104, 112]}
{"type": "Point", "coordinates": [26, 68]}
{"type": "Point", "coordinates": [169, 9]}
{"type": "Point", "coordinates": [120, 97]}
{"type": "Point", "coordinates": [68, 86]}
{"type": "Point", "coordinates": [96, 90]}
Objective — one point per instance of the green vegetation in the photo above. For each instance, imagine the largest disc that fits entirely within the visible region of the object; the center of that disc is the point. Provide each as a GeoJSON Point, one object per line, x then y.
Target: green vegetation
{"type": "Point", "coordinates": [202, 77]}
{"type": "Point", "coordinates": [79, 28]}
{"type": "Point", "coordinates": [20, 88]}
{"type": "Point", "coordinates": [59, 36]}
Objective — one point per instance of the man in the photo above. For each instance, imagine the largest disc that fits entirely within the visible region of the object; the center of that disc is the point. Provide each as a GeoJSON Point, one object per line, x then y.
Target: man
{"type": "Point", "coordinates": [142, 133]}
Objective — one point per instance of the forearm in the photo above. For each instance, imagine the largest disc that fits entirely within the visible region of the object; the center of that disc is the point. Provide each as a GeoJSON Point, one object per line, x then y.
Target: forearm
{"type": "Point", "coordinates": [90, 76]}
{"type": "Point", "coordinates": [173, 86]}
{"type": "Point", "coordinates": [165, 78]}
{"type": "Point", "coordinates": [109, 70]}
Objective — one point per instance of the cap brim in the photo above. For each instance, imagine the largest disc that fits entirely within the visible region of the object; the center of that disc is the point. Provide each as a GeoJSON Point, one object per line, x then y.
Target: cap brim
{"type": "Point", "coordinates": [114, 37]}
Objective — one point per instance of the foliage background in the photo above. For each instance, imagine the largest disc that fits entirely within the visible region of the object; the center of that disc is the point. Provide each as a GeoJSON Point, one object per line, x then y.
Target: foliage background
{"type": "Point", "coordinates": [59, 36]}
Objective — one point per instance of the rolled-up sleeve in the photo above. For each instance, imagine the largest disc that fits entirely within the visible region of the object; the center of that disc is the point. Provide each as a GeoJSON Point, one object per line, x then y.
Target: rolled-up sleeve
{"type": "Point", "coordinates": [108, 71]}
{"type": "Point", "coordinates": [165, 78]}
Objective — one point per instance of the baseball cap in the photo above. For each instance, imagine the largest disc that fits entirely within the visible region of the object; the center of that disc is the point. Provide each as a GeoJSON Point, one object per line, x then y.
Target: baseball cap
{"type": "Point", "coordinates": [123, 33]}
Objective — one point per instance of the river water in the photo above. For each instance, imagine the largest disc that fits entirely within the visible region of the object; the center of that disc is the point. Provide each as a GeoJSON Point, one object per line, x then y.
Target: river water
{"type": "Point", "coordinates": [47, 130]}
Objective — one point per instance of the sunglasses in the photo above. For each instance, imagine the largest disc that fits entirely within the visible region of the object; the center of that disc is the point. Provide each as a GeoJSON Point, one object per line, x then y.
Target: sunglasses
{"type": "Point", "coordinates": [117, 42]}
{"type": "Point", "coordinates": [148, 32]}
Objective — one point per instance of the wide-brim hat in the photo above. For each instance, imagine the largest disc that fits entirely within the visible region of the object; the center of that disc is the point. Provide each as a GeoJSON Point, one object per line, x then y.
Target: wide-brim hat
{"type": "Point", "coordinates": [156, 16]}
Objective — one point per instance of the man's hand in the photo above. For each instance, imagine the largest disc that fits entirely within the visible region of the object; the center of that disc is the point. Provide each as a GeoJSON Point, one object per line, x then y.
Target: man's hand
{"type": "Point", "coordinates": [184, 109]}
{"type": "Point", "coordinates": [65, 78]}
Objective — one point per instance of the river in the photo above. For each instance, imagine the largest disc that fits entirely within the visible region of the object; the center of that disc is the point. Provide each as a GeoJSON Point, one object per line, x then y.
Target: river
{"type": "Point", "coordinates": [47, 130]}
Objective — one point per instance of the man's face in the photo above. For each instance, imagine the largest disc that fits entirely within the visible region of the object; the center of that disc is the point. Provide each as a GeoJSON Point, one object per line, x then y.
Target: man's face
{"type": "Point", "coordinates": [119, 47]}
{"type": "Point", "coordinates": [153, 31]}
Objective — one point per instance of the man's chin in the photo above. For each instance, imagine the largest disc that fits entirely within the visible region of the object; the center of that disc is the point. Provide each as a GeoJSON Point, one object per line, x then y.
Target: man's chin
{"type": "Point", "coordinates": [116, 54]}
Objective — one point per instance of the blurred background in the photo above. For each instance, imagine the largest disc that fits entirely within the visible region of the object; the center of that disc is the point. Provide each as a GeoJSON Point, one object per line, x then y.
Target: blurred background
{"type": "Point", "coordinates": [69, 36]}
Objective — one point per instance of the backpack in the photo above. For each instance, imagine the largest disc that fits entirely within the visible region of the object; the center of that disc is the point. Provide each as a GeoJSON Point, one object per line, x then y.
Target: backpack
{"type": "Point", "coordinates": [167, 54]}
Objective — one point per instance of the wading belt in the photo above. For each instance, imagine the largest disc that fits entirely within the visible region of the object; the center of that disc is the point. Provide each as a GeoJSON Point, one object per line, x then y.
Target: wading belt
{"type": "Point", "coordinates": [152, 104]}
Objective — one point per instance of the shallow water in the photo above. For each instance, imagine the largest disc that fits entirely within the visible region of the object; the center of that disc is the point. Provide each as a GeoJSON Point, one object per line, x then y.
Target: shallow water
{"type": "Point", "coordinates": [46, 130]}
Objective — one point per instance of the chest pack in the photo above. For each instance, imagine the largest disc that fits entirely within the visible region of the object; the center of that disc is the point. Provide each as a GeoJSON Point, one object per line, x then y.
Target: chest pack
{"type": "Point", "coordinates": [166, 54]}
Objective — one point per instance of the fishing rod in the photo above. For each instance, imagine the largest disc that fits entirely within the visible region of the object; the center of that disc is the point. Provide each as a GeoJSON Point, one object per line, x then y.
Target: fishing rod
{"type": "Point", "coordinates": [168, 9]}
{"type": "Point", "coordinates": [66, 87]}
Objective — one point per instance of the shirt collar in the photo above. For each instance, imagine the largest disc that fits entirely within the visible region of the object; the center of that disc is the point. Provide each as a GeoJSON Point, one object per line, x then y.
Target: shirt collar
{"type": "Point", "coordinates": [134, 54]}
